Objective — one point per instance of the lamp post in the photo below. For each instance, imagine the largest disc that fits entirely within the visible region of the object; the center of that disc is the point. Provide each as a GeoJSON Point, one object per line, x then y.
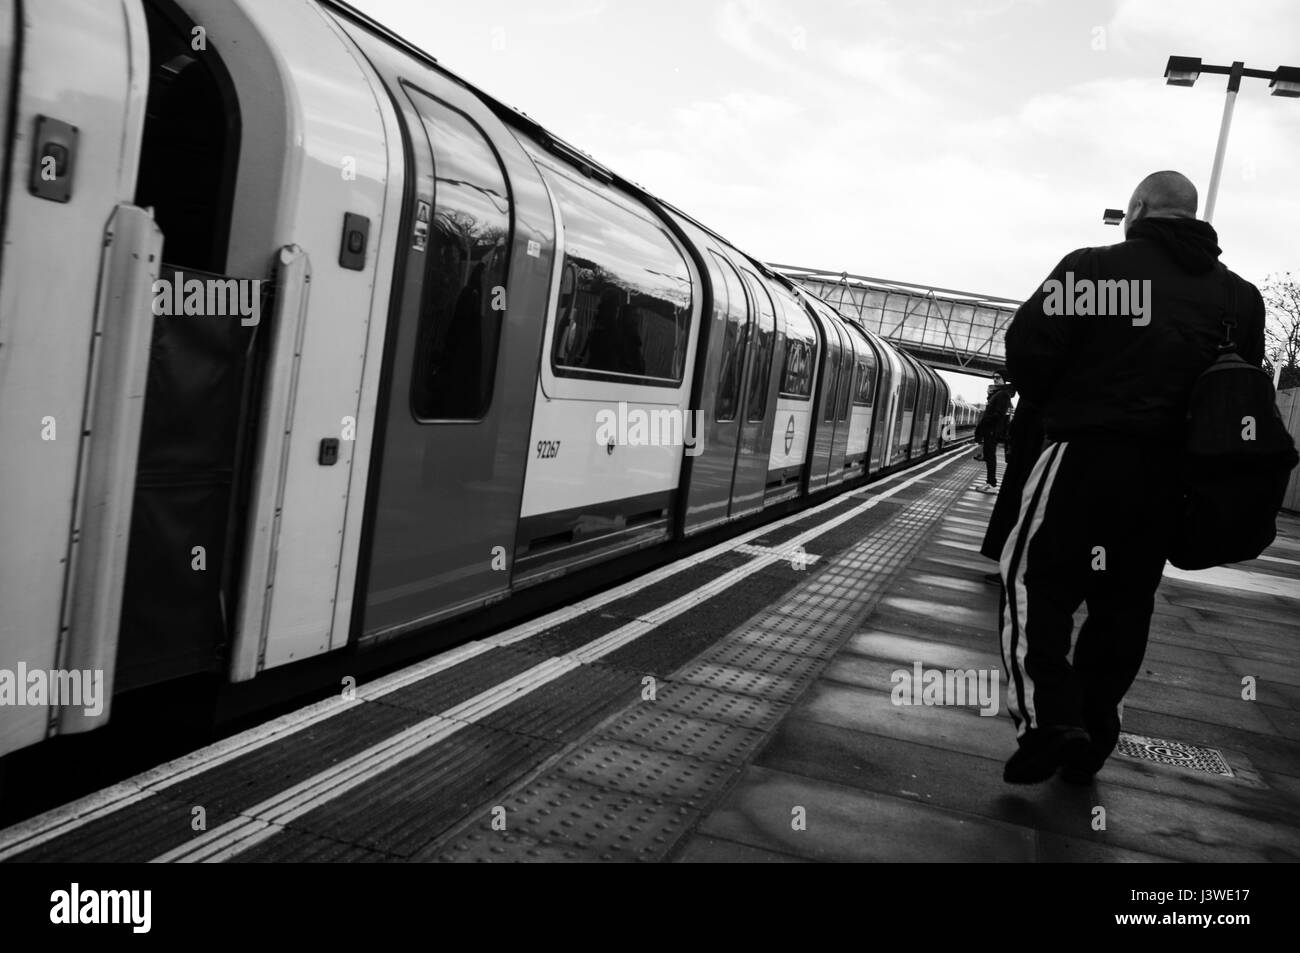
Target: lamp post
{"type": "Point", "coordinates": [1184, 70]}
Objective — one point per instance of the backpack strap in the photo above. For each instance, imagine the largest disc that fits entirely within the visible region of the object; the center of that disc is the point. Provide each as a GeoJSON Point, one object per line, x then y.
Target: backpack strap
{"type": "Point", "coordinates": [1229, 319]}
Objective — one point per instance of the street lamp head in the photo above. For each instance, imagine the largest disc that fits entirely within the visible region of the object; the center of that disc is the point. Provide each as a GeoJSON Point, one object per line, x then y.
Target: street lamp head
{"type": "Point", "coordinates": [1112, 216]}
{"type": "Point", "coordinates": [1182, 70]}
{"type": "Point", "coordinates": [1286, 81]}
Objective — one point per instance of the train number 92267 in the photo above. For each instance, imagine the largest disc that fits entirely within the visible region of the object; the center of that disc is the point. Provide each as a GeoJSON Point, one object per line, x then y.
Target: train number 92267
{"type": "Point", "coordinates": [546, 449]}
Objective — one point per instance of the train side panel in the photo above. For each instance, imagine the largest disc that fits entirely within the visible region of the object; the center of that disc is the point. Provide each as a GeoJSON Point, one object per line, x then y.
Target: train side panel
{"type": "Point", "coordinates": [610, 421]}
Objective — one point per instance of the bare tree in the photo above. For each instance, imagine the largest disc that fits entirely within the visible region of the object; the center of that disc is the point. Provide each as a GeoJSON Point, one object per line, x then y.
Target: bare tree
{"type": "Point", "coordinates": [1281, 295]}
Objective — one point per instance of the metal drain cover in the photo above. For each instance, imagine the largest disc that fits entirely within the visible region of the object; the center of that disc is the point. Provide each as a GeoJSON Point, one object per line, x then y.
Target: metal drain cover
{"type": "Point", "coordinates": [1176, 753]}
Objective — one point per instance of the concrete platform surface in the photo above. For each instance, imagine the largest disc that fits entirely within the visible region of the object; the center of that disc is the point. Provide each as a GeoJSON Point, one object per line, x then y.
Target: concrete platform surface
{"type": "Point", "coordinates": [850, 776]}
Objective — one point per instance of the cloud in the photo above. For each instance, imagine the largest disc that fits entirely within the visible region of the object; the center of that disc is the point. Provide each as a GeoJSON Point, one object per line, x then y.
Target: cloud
{"type": "Point", "coordinates": [812, 52]}
{"type": "Point", "coordinates": [968, 145]}
{"type": "Point", "coordinates": [566, 11]}
{"type": "Point", "coordinates": [1262, 33]}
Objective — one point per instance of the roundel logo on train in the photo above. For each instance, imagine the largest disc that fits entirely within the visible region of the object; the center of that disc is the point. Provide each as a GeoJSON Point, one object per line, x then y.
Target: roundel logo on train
{"type": "Point", "coordinates": [789, 434]}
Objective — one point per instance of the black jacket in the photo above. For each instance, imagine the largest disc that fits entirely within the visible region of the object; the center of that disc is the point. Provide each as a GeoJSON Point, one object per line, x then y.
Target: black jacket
{"type": "Point", "coordinates": [1130, 375]}
{"type": "Point", "coordinates": [993, 422]}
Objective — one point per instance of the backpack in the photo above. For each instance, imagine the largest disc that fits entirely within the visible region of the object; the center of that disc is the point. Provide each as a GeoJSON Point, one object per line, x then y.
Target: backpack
{"type": "Point", "coordinates": [1237, 460]}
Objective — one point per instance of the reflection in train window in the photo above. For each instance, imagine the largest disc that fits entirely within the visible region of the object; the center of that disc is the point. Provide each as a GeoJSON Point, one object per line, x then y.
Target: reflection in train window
{"type": "Point", "coordinates": [797, 380]}
{"type": "Point", "coordinates": [801, 352]}
{"type": "Point", "coordinates": [625, 294]}
{"type": "Point", "coordinates": [761, 368]}
{"type": "Point", "coordinates": [866, 392]}
{"type": "Point", "coordinates": [731, 297]}
{"type": "Point", "coordinates": [466, 260]}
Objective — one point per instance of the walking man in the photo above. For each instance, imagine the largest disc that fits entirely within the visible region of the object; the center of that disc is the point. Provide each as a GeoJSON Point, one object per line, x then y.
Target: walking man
{"type": "Point", "coordinates": [1108, 348]}
{"type": "Point", "coordinates": [992, 428]}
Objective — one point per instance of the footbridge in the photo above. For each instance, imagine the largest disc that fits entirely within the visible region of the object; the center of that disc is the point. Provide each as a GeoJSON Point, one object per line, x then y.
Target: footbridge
{"type": "Point", "coordinates": [951, 330]}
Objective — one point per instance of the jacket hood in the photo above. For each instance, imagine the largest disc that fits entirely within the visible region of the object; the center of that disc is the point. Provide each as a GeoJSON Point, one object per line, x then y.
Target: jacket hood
{"type": "Point", "coordinates": [1191, 243]}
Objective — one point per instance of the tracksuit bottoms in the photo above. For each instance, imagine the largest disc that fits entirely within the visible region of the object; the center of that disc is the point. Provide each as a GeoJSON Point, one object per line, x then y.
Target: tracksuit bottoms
{"type": "Point", "coordinates": [1094, 517]}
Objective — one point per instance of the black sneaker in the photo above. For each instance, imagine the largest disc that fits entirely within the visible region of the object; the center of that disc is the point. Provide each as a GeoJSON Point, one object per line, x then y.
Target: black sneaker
{"type": "Point", "coordinates": [1082, 766]}
{"type": "Point", "coordinates": [1043, 750]}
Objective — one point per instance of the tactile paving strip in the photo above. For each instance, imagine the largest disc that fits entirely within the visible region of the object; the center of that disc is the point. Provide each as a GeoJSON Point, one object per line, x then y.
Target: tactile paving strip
{"type": "Point", "coordinates": [1177, 753]}
{"type": "Point", "coordinates": [742, 681]}
{"type": "Point", "coordinates": [745, 683]}
{"type": "Point", "coordinates": [701, 701]}
{"type": "Point", "coordinates": [562, 820]}
{"type": "Point", "coordinates": [784, 636]}
{"type": "Point", "coordinates": [774, 661]}
{"type": "Point", "coordinates": [695, 737]}
{"type": "Point", "coordinates": [614, 764]}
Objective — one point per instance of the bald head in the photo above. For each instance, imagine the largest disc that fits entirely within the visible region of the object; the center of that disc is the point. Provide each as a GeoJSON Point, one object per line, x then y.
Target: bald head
{"type": "Point", "coordinates": [1161, 195]}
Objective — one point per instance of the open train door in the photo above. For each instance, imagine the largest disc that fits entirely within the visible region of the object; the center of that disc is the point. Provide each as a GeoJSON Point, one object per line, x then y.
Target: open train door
{"type": "Point", "coordinates": [79, 259]}
{"type": "Point", "coordinates": [179, 586]}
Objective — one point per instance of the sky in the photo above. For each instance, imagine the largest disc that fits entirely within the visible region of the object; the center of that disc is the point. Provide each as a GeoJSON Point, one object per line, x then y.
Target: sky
{"type": "Point", "coordinates": [966, 144]}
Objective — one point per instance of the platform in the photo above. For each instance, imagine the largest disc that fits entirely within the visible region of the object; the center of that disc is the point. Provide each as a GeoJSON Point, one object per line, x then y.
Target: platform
{"type": "Point", "coordinates": [738, 706]}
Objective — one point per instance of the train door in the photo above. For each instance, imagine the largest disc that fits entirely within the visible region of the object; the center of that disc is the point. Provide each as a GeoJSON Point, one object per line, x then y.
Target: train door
{"type": "Point", "coordinates": [843, 401]}
{"type": "Point", "coordinates": [750, 482]}
{"type": "Point", "coordinates": [863, 400]}
{"type": "Point", "coordinates": [902, 371]}
{"type": "Point", "coordinates": [824, 407]}
{"type": "Point", "coordinates": [198, 407]}
{"type": "Point", "coordinates": [709, 476]}
{"type": "Point", "coordinates": [882, 413]}
{"type": "Point", "coordinates": [271, 166]}
{"type": "Point", "coordinates": [921, 420]}
{"type": "Point", "coordinates": [937, 405]}
{"type": "Point", "coordinates": [906, 406]}
{"type": "Point", "coordinates": [461, 372]}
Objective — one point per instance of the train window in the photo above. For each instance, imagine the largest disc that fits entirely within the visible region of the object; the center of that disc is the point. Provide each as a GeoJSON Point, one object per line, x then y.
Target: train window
{"type": "Point", "coordinates": [866, 391]}
{"type": "Point", "coordinates": [468, 252]}
{"type": "Point", "coordinates": [800, 353]}
{"type": "Point", "coordinates": [731, 297]}
{"type": "Point", "coordinates": [625, 305]}
{"type": "Point", "coordinates": [862, 394]}
{"type": "Point", "coordinates": [761, 369]}
{"type": "Point", "coordinates": [797, 379]}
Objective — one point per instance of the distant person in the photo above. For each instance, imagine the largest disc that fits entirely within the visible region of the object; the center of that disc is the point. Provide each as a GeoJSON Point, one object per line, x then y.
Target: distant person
{"type": "Point", "coordinates": [992, 428]}
{"type": "Point", "coordinates": [1098, 507]}
{"type": "Point", "coordinates": [1024, 441]}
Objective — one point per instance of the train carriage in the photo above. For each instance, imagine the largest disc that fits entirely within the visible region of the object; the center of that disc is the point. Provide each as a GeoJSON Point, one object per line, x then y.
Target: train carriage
{"type": "Point", "coordinates": [464, 358]}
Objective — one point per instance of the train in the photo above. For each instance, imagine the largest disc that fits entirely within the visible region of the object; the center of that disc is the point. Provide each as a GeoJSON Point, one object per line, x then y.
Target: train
{"type": "Point", "coordinates": [307, 343]}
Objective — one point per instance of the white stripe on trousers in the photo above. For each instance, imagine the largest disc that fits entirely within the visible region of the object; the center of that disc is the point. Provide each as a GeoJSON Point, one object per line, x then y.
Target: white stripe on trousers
{"type": "Point", "coordinates": [1015, 645]}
